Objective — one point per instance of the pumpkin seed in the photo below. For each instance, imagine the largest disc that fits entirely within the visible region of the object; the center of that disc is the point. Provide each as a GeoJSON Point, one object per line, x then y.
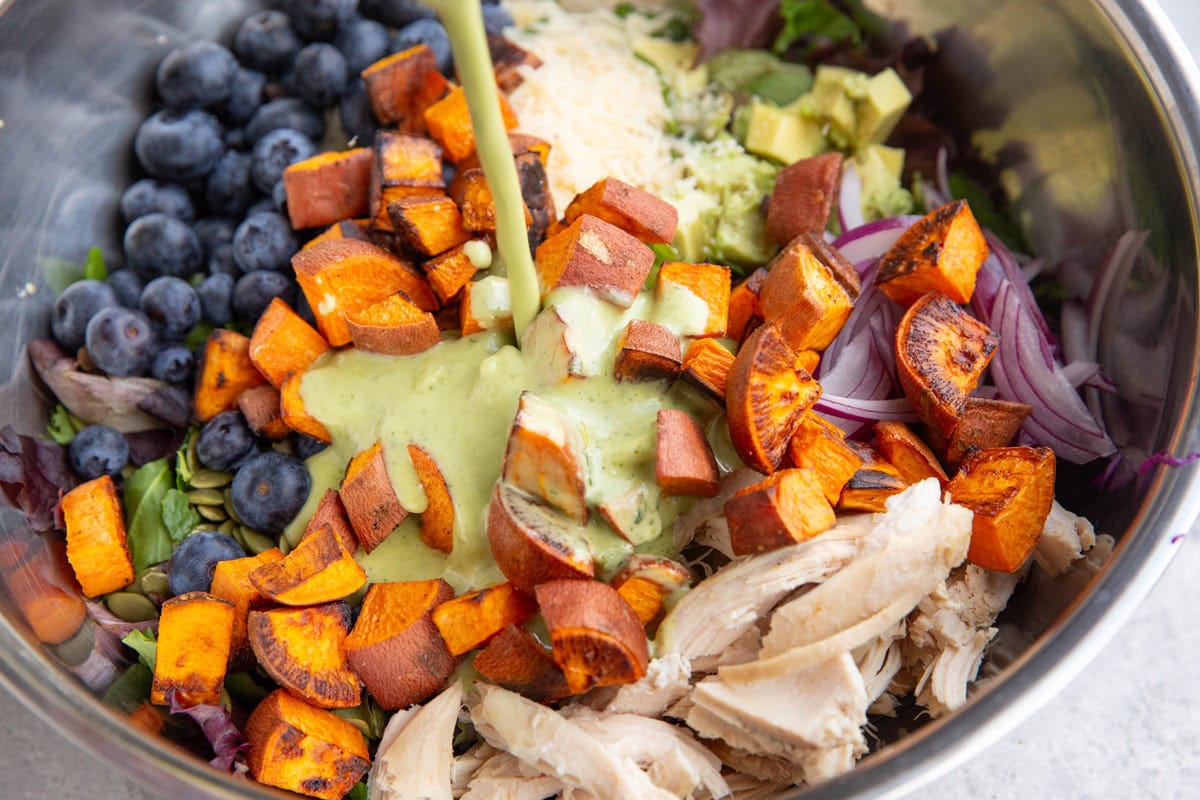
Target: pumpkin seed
{"type": "Point", "coordinates": [236, 533]}
{"type": "Point", "coordinates": [201, 528]}
{"type": "Point", "coordinates": [229, 507]}
{"type": "Point", "coordinates": [208, 479]}
{"type": "Point", "coordinates": [227, 527]}
{"type": "Point", "coordinates": [193, 460]}
{"type": "Point", "coordinates": [256, 542]}
{"type": "Point", "coordinates": [131, 607]}
{"type": "Point", "coordinates": [212, 513]}
{"type": "Point", "coordinates": [206, 497]}
{"type": "Point", "coordinates": [285, 546]}
{"type": "Point", "coordinates": [74, 651]}
{"type": "Point", "coordinates": [156, 582]}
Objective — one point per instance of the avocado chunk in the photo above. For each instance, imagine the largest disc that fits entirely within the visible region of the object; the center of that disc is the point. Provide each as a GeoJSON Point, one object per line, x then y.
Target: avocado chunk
{"type": "Point", "coordinates": [885, 102]}
{"type": "Point", "coordinates": [782, 135]}
{"type": "Point", "coordinates": [879, 170]}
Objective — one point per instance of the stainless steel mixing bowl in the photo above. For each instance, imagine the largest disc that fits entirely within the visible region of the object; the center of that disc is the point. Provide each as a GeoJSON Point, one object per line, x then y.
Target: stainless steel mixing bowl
{"type": "Point", "coordinates": [1088, 106]}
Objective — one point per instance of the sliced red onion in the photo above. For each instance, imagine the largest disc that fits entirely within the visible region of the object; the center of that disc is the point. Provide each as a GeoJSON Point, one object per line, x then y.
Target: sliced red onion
{"type": "Point", "coordinates": [897, 409]}
{"type": "Point", "coordinates": [849, 207]}
{"type": "Point", "coordinates": [1113, 271]}
{"type": "Point", "coordinates": [942, 173]}
{"type": "Point", "coordinates": [216, 723]}
{"type": "Point", "coordinates": [104, 663]}
{"type": "Point", "coordinates": [870, 241]}
{"type": "Point", "coordinates": [1087, 373]}
{"type": "Point", "coordinates": [933, 196]}
{"type": "Point", "coordinates": [1074, 339]}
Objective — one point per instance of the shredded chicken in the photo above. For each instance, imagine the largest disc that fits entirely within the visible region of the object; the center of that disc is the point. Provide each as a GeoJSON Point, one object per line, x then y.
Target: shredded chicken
{"type": "Point", "coordinates": [667, 679]}
{"type": "Point", "coordinates": [711, 511]}
{"type": "Point", "coordinates": [416, 752]}
{"type": "Point", "coordinates": [504, 777]}
{"type": "Point", "coordinates": [878, 661]}
{"type": "Point", "coordinates": [1065, 538]}
{"type": "Point", "coordinates": [467, 765]}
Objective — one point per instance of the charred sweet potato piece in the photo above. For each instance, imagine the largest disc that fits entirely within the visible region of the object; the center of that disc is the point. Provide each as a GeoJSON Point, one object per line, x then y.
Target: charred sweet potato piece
{"type": "Point", "coordinates": [804, 196]}
{"type": "Point", "coordinates": [35, 573]}
{"type": "Point", "coordinates": [304, 749]}
{"type": "Point", "coordinates": [449, 121]}
{"type": "Point", "coordinates": [515, 660]}
{"type": "Point", "coordinates": [765, 398]}
{"type": "Point", "coordinates": [633, 210]}
{"type": "Point", "coordinates": [786, 508]}
{"type": "Point", "coordinates": [428, 224]}
{"type": "Point", "coordinates": [343, 229]}
{"type": "Point", "coordinates": [402, 86]}
{"type": "Point", "coordinates": [519, 143]}
{"type": "Point", "coordinates": [437, 520]}
{"type": "Point", "coordinates": [394, 327]}
{"type": "Point", "coordinates": [263, 410]}
{"type": "Point", "coordinates": [318, 570]}
{"type": "Point", "coordinates": [471, 191]}
{"type": "Point", "coordinates": [942, 252]}
{"type": "Point", "coordinates": [96, 545]}
{"type": "Point", "coordinates": [907, 453]}
{"type": "Point", "coordinates": [369, 498]}
{"type": "Point", "coordinates": [631, 514]}
{"type": "Point", "coordinates": [544, 457]}
{"type": "Point", "coordinates": [647, 352]}
{"type": "Point", "coordinates": [449, 272]}
{"type": "Point", "coordinates": [709, 282]}
{"type": "Point", "coordinates": [484, 306]}
{"type": "Point", "coordinates": [1010, 489]}
{"type": "Point", "coordinates": [646, 581]}
{"type": "Point", "coordinates": [284, 343]}
{"type": "Point", "coordinates": [533, 543]}
{"type": "Point", "coordinates": [874, 482]}
{"type": "Point", "coordinates": [744, 307]}
{"type": "Point", "coordinates": [231, 581]}
{"type": "Point", "coordinates": [985, 423]}
{"type": "Point", "coordinates": [403, 166]}
{"type": "Point", "coordinates": [471, 620]}
{"type": "Point", "coordinates": [301, 649]}
{"type": "Point", "coordinates": [328, 187]}
{"type": "Point", "coordinates": [706, 367]}
{"type": "Point", "coordinates": [507, 59]}
{"type": "Point", "coordinates": [553, 343]}
{"type": "Point", "coordinates": [291, 408]}
{"type": "Point", "coordinates": [941, 353]}
{"type": "Point", "coordinates": [344, 276]}
{"type": "Point", "coordinates": [594, 254]}
{"type": "Point", "coordinates": [224, 372]}
{"type": "Point", "coordinates": [804, 298]}
{"type": "Point", "coordinates": [683, 461]}
{"type": "Point", "coordinates": [195, 632]}
{"type": "Point", "coordinates": [331, 512]}
{"type": "Point", "coordinates": [395, 648]}
{"type": "Point", "coordinates": [820, 446]}
{"type": "Point", "coordinates": [596, 638]}
{"type": "Point", "coordinates": [535, 191]}
{"type": "Point", "coordinates": [808, 360]}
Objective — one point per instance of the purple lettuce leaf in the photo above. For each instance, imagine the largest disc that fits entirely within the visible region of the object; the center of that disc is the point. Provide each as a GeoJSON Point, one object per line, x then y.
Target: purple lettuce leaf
{"type": "Point", "coordinates": [216, 722]}
{"type": "Point", "coordinates": [34, 473]}
{"type": "Point", "coordinates": [734, 23]}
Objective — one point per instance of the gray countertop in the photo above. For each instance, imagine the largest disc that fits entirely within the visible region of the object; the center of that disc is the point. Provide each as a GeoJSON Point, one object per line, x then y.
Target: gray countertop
{"type": "Point", "coordinates": [1129, 727]}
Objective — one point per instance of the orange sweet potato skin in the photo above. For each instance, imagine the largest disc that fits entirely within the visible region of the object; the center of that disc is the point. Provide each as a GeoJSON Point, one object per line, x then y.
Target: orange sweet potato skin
{"type": "Point", "coordinates": [527, 550]}
{"type": "Point", "coordinates": [985, 423]}
{"type": "Point", "coordinates": [393, 327]}
{"type": "Point", "coordinates": [331, 512]}
{"type": "Point", "coordinates": [597, 639]}
{"type": "Point", "coordinates": [318, 570]}
{"type": "Point", "coordinates": [804, 196]}
{"type": "Point", "coordinates": [786, 508]}
{"type": "Point", "coordinates": [437, 520]}
{"type": "Point", "coordinates": [470, 621]}
{"type": "Point", "coordinates": [96, 545]}
{"type": "Point", "coordinates": [225, 370]}
{"type": "Point", "coordinates": [328, 187]}
{"type": "Point", "coordinates": [283, 343]}
{"type": "Point", "coordinates": [594, 254]}
{"type": "Point", "coordinates": [262, 407]}
{"type": "Point", "coordinates": [635, 211]}
{"type": "Point", "coordinates": [369, 498]}
{"type": "Point", "coordinates": [744, 312]}
{"type": "Point", "coordinates": [195, 633]}
{"type": "Point", "coordinates": [648, 352]}
{"type": "Point", "coordinates": [684, 463]}
{"type": "Point", "coordinates": [428, 224]}
{"type": "Point", "coordinates": [301, 649]}
{"type": "Point", "coordinates": [516, 661]}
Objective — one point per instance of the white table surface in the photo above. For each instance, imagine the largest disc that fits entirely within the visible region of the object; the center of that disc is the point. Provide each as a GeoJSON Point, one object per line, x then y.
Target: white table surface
{"type": "Point", "coordinates": [1128, 728]}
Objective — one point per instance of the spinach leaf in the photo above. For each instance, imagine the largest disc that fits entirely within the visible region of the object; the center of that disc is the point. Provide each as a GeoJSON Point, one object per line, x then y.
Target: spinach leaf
{"type": "Point", "coordinates": [183, 470]}
{"type": "Point", "coordinates": [132, 689]}
{"type": "Point", "coordinates": [357, 792]}
{"type": "Point", "coordinates": [145, 644]}
{"type": "Point", "coordinates": [149, 540]}
{"type": "Point", "coordinates": [198, 335]}
{"type": "Point", "coordinates": [178, 514]}
{"type": "Point", "coordinates": [93, 266]}
{"type": "Point", "coordinates": [807, 23]}
{"type": "Point", "coordinates": [62, 426]}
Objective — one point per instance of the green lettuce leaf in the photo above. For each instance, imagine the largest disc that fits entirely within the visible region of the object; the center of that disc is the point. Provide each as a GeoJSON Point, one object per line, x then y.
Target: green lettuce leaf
{"type": "Point", "coordinates": [145, 644]}
{"type": "Point", "coordinates": [149, 540]}
{"type": "Point", "coordinates": [178, 515]}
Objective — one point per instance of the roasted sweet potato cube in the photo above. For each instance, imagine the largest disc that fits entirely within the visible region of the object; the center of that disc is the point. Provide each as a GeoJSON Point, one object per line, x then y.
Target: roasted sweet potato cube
{"type": "Point", "coordinates": [369, 497]}
{"type": "Point", "coordinates": [1011, 490]}
{"type": "Point", "coordinates": [195, 633]}
{"type": "Point", "coordinates": [820, 446]}
{"type": "Point", "coordinates": [647, 352]}
{"type": "Point", "coordinates": [553, 343]}
{"type": "Point", "coordinates": [395, 648]}
{"type": "Point", "coordinates": [304, 749]}
{"type": "Point", "coordinates": [785, 508]}
{"type": "Point", "coordinates": [808, 360]}
{"type": "Point", "coordinates": [631, 514]}
{"type": "Point", "coordinates": [224, 372]}
{"type": "Point", "coordinates": [344, 276]}
{"type": "Point", "coordinates": [684, 463]}
{"type": "Point", "coordinates": [985, 423]}
{"type": "Point", "coordinates": [709, 282]}
{"type": "Point", "coordinates": [507, 59]}
{"type": "Point", "coordinates": [331, 512]}
{"type": "Point", "coordinates": [402, 86]}
{"type": "Point", "coordinates": [318, 570]}
{"type": "Point", "coordinates": [37, 576]}
{"type": "Point", "coordinates": [437, 520]}
{"type": "Point", "coordinates": [263, 410]}
{"type": "Point", "coordinates": [803, 298]}
{"type": "Point", "coordinates": [633, 210]}
{"type": "Point", "coordinates": [596, 638]}
{"type": "Point", "coordinates": [231, 581]}
{"type": "Point", "coordinates": [594, 254]}
{"type": "Point", "coordinates": [474, 197]}
{"type": "Point", "coordinates": [429, 224]}
{"type": "Point", "coordinates": [744, 307]}
{"type": "Point", "coordinates": [804, 196]}
{"type": "Point", "coordinates": [301, 649]}
{"type": "Point", "coordinates": [394, 327]}
{"type": "Point", "coordinates": [470, 621]}
{"type": "Point", "coordinates": [328, 187]}
{"type": "Point", "coordinates": [485, 306]}
{"type": "Point", "coordinates": [766, 396]}
{"type": "Point", "coordinates": [519, 143]}
{"type": "Point", "coordinates": [291, 407]}
{"type": "Point", "coordinates": [874, 482]}
{"type": "Point", "coordinates": [942, 252]}
{"type": "Point", "coordinates": [343, 229]}
{"type": "Point", "coordinates": [449, 272]}
{"type": "Point", "coordinates": [535, 192]}
{"type": "Point", "coordinates": [284, 343]}
{"type": "Point", "coordinates": [515, 660]}
{"type": "Point", "coordinates": [403, 166]}
{"type": "Point", "coordinates": [941, 353]}
{"type": "Point", "coordinates": [544, 457]}
{"type": "Point", "coordinates": [907, 453]}
{"type": "Point", "coordinates": [647, 581]}
{"type": "Point", "coordinates": [449, 121]}
{"type": "Point", "coordinates": [96, 545]}
{"type": "Point", "coordinates": [533, 543]}
{"type": "Point", "coordinates": [706, 367]}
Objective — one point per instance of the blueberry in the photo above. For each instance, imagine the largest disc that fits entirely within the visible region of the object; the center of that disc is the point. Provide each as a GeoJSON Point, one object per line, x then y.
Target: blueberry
{"type": "Point", "coordinates": [319, 19]}
{"type": "Point", "coordinates": [274, 153]}
{"type": "Point", "coordinates": [286, 112]}
{"type": "Point", "coordinates": [264, 240]}
{"type": "Point", "coordinates": [235, 138]}
{"type": "Point", "coordinates": [148, 195]}
{"type": "Point", "coordinates": [127, 285]}
{"type": "Point", "coordinates": [98, 450]}
{"type": "Point", "coordinates": [195, 75]}
{"type": "Point", "coordinates": [307, 446]}
{"type": "Point", "coordinates": [171, 304]}
{"type": "Point", "coordinates": [318, 75]}
{"type": "Point", "coordinates": [429, 32]}
{"type": "Point", "coordinates": [266, 41]}
{"type": "Point", "coordinates": [75, 307]}
{"type": "Point", "coordinates": [160, 245]}
{"type": "Point", "coordinates": [121, 342]}
{"type": "Point", "coordinates": [192, 564]}
{"type": "Point", "coordinates": [212, 232]}
{"type": "Point", "coordinates": [178, 146]}
{"type": "Point", "coordinates": [358, 120]}
{"type": "Point", "coordinates": [173, 363]}
{"type": "Point", "coordinates": [496, 18]}
{"type": "Point", "coordinates": [279, 197]}
{"type": "Point", "coordinates": [216, 298]}
{"type": "Point", "coordinates": [255, 290]}
{"type": "Point", "coordinates": [268, 489]}
{"type": "Point", "coordinates": [395, 13]}
{"type": "Point", "coordinates": [221, 261]}
{"type": "Point", "coordinates": [230, 190]}
{"type": "Point", "coordinates": [362, 42]}
{"type": "Point", "coordinates": [260, 206]}
{"type": "Point", "coordinates": [224, 440]}
{"type": "Point", "coordinates": [245, 96]}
